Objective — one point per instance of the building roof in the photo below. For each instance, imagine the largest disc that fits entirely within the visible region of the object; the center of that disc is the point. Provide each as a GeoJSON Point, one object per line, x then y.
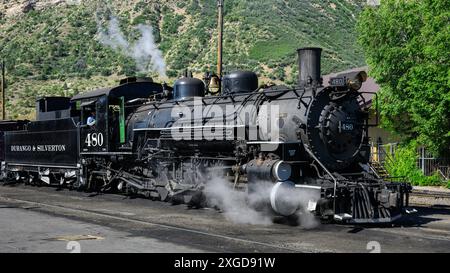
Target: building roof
{"type": "Point", "coordinates": [369, 86]}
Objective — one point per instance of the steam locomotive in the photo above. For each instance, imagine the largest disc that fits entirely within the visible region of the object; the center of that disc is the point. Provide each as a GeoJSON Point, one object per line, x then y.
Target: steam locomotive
{"type": "Point", "coordinates": [308, 144]}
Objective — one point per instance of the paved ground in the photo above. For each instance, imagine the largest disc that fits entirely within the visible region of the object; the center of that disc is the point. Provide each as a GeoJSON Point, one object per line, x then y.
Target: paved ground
{"type": "Point", "coordinates": [46, 220]}
{"type": "Point", "coordinates": [36, 232]}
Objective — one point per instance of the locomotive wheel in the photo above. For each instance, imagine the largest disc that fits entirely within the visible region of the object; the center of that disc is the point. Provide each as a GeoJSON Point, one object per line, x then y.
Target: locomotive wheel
{"type": "Point", "coordinates": [198, 200]}
{"type": "Point", "coordinates": [292, 220]}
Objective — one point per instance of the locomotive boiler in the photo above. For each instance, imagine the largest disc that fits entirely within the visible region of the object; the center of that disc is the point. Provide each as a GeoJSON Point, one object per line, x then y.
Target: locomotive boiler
{"type": "Point", "coordinates": [306, 146]}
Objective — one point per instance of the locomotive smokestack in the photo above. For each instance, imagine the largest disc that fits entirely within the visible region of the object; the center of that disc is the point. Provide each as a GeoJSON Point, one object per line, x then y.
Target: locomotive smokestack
{"type": "Point", "coordinates": [309, 66]}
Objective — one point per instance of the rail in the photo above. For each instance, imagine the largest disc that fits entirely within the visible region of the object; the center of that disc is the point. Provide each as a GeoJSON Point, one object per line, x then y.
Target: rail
{"type": "Point", "coordinates": [432, 194]}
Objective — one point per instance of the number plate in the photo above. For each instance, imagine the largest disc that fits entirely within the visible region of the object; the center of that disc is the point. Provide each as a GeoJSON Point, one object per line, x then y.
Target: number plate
{"type": "Point", "coordinates": [94, 140]}
{"type": "Point", "coordinates": [337, 82]}
{"type": "Point", "coordinates": [347, 126]}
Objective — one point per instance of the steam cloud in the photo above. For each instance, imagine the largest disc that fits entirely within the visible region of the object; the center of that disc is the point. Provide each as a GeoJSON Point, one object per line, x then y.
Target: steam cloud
{"type": "Point", "coordinates": [233, 203]}
{"type": "Point", "coordinates": [144, 51]}
{"type": "Point", "coordinates": [239, 208]}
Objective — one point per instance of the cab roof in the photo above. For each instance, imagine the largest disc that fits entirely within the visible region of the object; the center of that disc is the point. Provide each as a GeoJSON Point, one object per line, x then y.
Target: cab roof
{"type": "Point", "coordinates": [128, 89]}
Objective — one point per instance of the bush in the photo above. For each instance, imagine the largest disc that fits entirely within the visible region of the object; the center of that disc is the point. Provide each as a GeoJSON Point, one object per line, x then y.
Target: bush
{"type": "Point", "coordinates": [404, 43]}
{"type": "Point", "coordinates": [403, 164]}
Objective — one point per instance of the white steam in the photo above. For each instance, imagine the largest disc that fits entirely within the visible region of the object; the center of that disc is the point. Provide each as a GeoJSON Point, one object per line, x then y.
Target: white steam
{"type": "Point", "coordinates": [241, 208]}
{"type": "Point", "coordinates": [307, 219]}
{"type": "Point", "coordinates": [144, 51]}
{"type": "Point", "coordinates": [234, 203]}
{"type": "Point", "coordinates": [113, 36]}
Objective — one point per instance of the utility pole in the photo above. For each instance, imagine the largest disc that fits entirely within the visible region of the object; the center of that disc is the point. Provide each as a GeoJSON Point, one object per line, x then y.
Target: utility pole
{"type": "Point", "coordinates": [373, 2]}
{"type": "Point", "coordinates": [220, 38]}
{"type": "Point", "coordinates": [2, 90]}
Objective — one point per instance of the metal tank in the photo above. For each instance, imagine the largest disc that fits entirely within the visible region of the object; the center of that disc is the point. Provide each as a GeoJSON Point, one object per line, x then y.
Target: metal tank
{"type": "Point", "coordinates": [239, 82]}
{"type": "Point", "coordinates": [188, 87]}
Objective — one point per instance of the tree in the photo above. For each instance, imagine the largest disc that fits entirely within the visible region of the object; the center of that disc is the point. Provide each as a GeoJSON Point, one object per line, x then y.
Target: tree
{"type": "Point", "coordinates": [406, 43]}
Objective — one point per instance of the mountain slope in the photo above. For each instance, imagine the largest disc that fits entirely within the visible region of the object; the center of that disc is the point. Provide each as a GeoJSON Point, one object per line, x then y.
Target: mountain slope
{"type": "Point", "coordinates": [53, 46]}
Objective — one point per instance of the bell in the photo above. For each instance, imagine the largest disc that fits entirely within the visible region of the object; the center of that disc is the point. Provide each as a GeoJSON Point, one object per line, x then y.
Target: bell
{"type": "Point", "coordinates": [214, 84]}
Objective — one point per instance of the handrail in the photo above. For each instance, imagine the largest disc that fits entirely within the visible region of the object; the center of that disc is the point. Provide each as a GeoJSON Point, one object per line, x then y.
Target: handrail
{"type": "Point", "coordinates": [442, 173]}
{"type": "Point", "coordinates": [328, 172]}
{"type": "Point", "coordinates": [374, 171]}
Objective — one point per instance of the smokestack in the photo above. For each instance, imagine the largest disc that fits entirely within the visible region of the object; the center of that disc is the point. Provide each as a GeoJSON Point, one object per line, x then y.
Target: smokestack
{"type": "Point", "coordinates": [309, 66]}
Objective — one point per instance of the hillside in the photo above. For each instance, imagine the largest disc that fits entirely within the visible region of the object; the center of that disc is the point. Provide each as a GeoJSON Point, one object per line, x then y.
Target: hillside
{"type": "Point", "coordinates": [57, 47]}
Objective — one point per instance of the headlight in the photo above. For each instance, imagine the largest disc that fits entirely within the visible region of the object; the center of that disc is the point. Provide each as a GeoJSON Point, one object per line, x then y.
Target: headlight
{"type": "Point", "coordinates": [356, 79]}
{"type": "Point", "coordinates": [354, 84]}
{"type": "Point", "coordinates": [352, 80]}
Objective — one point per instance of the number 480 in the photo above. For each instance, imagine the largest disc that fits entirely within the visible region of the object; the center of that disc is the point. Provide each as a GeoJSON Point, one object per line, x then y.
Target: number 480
{"type": "Point", "coordinates": [94, 139]}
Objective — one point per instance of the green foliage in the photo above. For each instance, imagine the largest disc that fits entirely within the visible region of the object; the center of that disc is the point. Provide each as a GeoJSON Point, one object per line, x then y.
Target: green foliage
{"type": "Point", "coordinates": [403, 164]}
{"type": "Point", "coordinates": [406, 45]}
{"type": "Point", "coordinates": [57, 44]}
{"type": "Point", "coordinates": [273, 50]}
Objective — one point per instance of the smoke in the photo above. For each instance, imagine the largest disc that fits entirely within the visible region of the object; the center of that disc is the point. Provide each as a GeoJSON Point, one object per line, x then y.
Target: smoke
{"type": "Point", "coordinates": [234, 205]}
{"type": "Point", "coordinates": [306, 218]}
{"type": "Point", "coordinates": [144, 51]}
{"type": "Point", "coordinates": [242, 208]}
{"type": "Point", "coordinates": [113, 36]}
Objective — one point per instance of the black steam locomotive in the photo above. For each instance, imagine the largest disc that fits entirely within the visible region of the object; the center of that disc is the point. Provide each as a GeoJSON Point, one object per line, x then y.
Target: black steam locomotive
{"type": "Point", "coordinates": [308, 143]}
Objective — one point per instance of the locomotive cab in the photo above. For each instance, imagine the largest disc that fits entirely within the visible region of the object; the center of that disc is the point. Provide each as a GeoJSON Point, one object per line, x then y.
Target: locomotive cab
{"type": "Point", "coordinates": [104, 113]}
{"type": "Point", "coordinates": [94, 125]}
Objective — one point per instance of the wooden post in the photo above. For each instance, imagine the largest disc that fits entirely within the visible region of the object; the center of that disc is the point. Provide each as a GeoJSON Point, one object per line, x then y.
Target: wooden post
{"type": "Point", "coordinates": [2, 90]}
{"type": "Point", "coordinates": [220, 38]}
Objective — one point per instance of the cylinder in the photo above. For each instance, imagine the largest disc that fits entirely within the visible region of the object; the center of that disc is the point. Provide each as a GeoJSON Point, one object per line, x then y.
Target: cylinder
{"type": "Point", "coordinates": [283, 198]}
{"type": "Point", "coordinates": [268, 170]}
{"type": "Point", "coordinates": [309, 66]}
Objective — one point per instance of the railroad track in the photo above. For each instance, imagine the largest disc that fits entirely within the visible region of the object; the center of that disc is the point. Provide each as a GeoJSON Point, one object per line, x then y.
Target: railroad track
{"type": "Point", "coordinates": [431, 194]}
